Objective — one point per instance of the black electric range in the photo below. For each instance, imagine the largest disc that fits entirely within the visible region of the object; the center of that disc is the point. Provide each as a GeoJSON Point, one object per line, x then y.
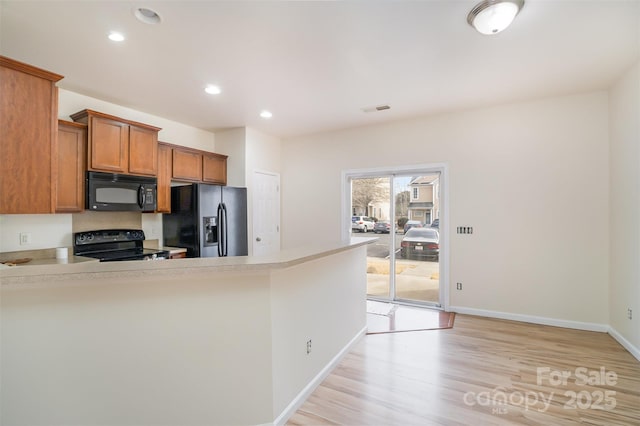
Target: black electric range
{"type": "Point", "coordinates": [111, 245]}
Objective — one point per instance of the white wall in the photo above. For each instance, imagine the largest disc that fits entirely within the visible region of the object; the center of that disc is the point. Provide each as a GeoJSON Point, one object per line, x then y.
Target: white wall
{"type": "Point", "coordinates": [263, 153]}
{"type": "Point", "coordinates": [531, 178]}
{"type": "Point", "coordinates": [51, 230]}
{"type": "Point", "coordinates": [323, 301]}
{"type": "Point", "coordinates": [47, 231]}
{"type": "Point", "coordinates": [173, 350]}
{"type": "Point", "coordinates": [172, 131]}
{"type": "Point", "coordinates": [624, 291]}
{"type": "Point", "coordinates": [232, 142]}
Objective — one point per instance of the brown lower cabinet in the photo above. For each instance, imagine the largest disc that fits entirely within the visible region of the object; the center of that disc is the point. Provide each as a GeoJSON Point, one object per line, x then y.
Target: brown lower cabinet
{"type": "Point", "coordinates": [72, 151]}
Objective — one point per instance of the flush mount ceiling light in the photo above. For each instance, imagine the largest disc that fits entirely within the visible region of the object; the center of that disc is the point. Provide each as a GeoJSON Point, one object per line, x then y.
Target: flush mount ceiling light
{"type": "Point", "coordinates": [266, 114]}
{"type": "Point", "coordinates": [146, 15]}
{"type": "Point", "coordinates": [493, 16]}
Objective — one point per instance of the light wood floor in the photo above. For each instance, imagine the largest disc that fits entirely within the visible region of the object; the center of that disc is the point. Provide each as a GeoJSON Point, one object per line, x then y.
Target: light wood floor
{"type": "Point", "coordinates": [462, 376]}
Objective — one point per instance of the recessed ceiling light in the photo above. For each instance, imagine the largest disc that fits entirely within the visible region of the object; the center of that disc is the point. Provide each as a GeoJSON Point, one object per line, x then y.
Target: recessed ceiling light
{"type": "Point", "coordinates": [146, 15]}
{"type": "Point", "coordinates": [266, 114]}
{"type": "Point", "coordinates": [115, 36]}
{"type": "Point", "coordinates": [212, 90]}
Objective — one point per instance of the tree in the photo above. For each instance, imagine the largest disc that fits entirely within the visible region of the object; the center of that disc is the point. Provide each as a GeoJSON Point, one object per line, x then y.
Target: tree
{"type": "Point", "coordinates": [402, 203]}
{"type": "Point", "coordinates": [368, 190]}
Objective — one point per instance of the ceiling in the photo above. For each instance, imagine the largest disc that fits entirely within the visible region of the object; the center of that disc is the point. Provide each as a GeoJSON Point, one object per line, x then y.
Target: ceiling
{"type": "Point", "coordinates": [316, 64]}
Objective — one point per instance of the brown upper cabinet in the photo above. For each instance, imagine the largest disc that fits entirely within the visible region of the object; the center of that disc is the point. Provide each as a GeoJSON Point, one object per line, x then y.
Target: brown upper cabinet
{"type": "Point", "coordinates": [72, 148]}
{"type": "Point", "coordinates": [28, 138]}
{"type": "Point", "coordinates": [214, 168]}
{"type": "Point", "coordinates": [164, 178]}
{"type": "Point", "coordinates": [187, 164]}
{"type": "Point", "coordinates": [193, 165]}
{"type": "Point", "coordinates": [179, 163]}
{"type": "Point", "coordinates": [118, 145]}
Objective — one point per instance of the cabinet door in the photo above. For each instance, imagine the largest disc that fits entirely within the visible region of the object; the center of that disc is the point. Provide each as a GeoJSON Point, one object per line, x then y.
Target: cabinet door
{"type": "Point", "coordinates": [28, 127]}
{"type": "Point", "coordinates": [143, 151]}
{"type": "Point", "coordinates": [108, 145]}
{"type": "Point", "coordinates": [164, 179]}
{"type": "Point", "coordinates": [72, 140]}
{"type": "Point", "coordinates": [214, 168]}
{"type": "Point", "coordinates": [187, 165]}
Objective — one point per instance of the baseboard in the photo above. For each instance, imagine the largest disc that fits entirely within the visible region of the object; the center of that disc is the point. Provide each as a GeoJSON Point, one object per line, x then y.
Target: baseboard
{"type": "Point", "coordinates": [577, 325]}
{"type": "Point", "coordinates": [313, 384]}
{"type": "Point", "coordinates": [624, 342]}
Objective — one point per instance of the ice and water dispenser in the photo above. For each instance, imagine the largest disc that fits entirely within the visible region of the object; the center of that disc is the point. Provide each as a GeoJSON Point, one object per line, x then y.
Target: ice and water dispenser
{"type": "Point", "coordinates": [210, 229]}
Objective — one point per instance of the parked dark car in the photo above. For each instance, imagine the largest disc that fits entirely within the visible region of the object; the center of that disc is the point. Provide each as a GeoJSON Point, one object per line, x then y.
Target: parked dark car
{"type": "Point", "coordinates": [435, 224]}
{"type": "Point", "coordinates": [420, 243]}
{"type": "Point", "coordinates": [382, 226]}
{"type": "Point", "coordinates": [412, 224]}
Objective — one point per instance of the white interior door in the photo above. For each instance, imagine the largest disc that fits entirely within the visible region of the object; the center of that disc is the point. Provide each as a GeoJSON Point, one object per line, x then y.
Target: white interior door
{"type": "Point", "coordinates": [266, 213]}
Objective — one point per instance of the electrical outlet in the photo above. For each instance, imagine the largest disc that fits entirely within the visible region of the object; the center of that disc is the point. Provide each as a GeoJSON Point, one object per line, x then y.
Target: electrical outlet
{"type": "Point", "coordinates": [308, 346]}
{"type": "Point", "coordinates": [25, 238]}
{"type": "Point", "coordinates": [458, 286]}
{"type": "Point", "coordinates": [629, 313]}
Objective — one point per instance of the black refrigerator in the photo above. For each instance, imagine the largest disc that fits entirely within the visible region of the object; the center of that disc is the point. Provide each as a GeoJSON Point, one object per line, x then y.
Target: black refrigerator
{"type": "Point", "coordinates": [207, 220]}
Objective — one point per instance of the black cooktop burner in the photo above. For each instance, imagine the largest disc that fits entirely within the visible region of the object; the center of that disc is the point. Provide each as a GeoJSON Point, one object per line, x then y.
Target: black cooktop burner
{"type": "Point", "coordinates": [110, 245]}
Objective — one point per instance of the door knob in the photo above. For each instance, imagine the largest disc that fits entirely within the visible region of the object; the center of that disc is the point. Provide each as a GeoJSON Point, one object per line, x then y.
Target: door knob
{"type": "Point", "coordinates": [258, 239]}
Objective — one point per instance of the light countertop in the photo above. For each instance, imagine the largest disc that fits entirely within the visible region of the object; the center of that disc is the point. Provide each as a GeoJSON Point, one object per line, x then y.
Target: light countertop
{"type": "Point", "coordinates": [53, 271]}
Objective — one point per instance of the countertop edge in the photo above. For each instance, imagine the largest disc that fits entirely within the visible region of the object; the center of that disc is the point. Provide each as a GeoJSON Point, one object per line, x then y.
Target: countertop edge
{"type": "Point", "coordinates": [65, 274]}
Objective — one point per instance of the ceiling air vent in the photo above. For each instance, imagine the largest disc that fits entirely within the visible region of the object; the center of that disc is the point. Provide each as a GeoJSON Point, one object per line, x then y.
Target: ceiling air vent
{"type": "Point", "coordinates": [376, 108]}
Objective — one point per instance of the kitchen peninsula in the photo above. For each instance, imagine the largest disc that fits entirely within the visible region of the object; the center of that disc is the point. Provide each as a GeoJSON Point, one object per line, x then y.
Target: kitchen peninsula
{"type": "Point", "coordinates": [237, 340]}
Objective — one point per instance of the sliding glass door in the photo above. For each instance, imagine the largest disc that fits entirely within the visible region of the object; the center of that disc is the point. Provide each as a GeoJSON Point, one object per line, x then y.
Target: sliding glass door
{"type": "Point", "coordinates": [371, 214]}
{"type": "Point", "coordinates": [417, 266]}
{"type": "Point", "coordinates": [404, 211]}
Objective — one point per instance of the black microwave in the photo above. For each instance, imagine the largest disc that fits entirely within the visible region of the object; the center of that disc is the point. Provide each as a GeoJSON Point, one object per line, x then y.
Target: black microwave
{"type": "Point", "coordinates": [116, 192]}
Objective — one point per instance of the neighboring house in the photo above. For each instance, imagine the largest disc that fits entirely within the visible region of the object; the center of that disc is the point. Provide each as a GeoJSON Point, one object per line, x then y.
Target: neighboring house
{"type": "Point", "coordinates": [370, 197]}
{"type": "Point", "coordinates": [379, 210]}
{"type": "Point", "coordinates": [424, 198]}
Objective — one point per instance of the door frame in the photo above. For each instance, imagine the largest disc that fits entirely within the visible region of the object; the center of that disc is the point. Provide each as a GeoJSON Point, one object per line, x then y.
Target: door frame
{"type": "Point", "coordinates": [419, 169]}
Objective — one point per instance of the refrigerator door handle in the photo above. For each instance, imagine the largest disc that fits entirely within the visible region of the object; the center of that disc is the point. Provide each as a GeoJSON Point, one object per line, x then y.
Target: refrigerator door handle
{"type": "Point", "coordinates": [225, 230]}
{"type": "Point", "coordinates": [220, 254]}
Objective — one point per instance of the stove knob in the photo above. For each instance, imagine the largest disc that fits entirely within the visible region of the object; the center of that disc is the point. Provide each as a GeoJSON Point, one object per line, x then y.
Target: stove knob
{"type": "Point", "coordinates": [89, 237]}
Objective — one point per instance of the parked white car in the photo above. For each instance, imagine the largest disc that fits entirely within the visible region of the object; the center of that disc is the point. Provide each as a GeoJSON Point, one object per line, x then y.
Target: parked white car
{"type": "Point", "coordinates": [362, 224]}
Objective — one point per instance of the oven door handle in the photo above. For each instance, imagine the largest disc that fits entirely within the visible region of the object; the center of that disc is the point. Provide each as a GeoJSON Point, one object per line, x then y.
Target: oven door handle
{"type": "Point", "coordinates": [141, 196]}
